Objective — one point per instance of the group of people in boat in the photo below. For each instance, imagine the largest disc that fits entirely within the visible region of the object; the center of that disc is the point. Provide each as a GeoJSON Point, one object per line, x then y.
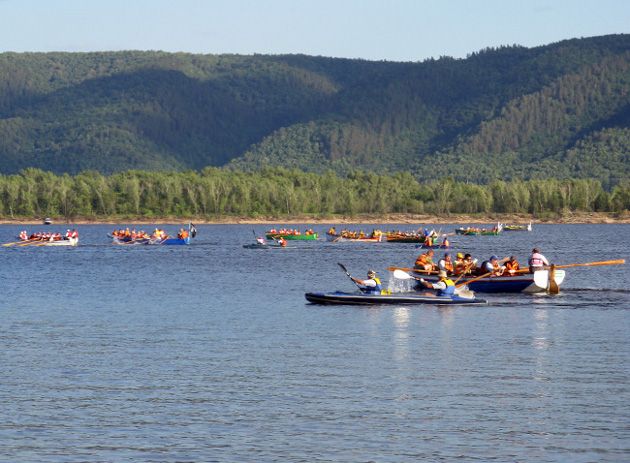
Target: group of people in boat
{"type": "Point", "coordinates": [290, 231]}
{"type": "Point", "coordinates": [157, 235]}
{"type": "Point", "coordinates": [465, 264]}
{"type": "Point", "coordinates": [48, 236]}
{"type": "Point", "coordinates": [353, 234]}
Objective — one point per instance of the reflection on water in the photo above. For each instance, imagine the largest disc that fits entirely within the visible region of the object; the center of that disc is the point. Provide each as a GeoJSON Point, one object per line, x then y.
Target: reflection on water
{"type": "Point", "coordinates": [210, 353]}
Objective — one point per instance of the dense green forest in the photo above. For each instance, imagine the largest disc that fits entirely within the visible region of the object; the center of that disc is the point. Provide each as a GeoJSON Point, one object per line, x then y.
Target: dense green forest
{"type": "Point", "coordinates": [555, 111]}
{"type": "Point", "coordinates": [281, 192]}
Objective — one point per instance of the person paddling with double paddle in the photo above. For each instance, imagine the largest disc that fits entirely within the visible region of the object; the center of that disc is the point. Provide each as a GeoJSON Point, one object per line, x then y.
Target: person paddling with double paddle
{"type": "Point", "coordinates": [444, 287]}
{"type": "Point", "coordinates": [372, 285]}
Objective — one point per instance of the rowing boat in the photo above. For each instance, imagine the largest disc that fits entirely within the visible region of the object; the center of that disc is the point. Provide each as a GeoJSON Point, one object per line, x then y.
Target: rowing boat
{"type": "Point", "coordinates": [291, 237]}
{"type": "Point", "coordinates": [149, 241]}
{"type": "Point", "coordinates": [47, 243]}
{"type": "Point", "coordinates": [527, 227]}
{"type": "Point", "coordinates": [342, 298]}
{"type": "Point", "coordinates": [537, 282]}
{"type": "Point", "coordinates": [394, 237]}
{"type": "Point", "coordinates": [477, 231]}
{"type": "Point", "coordinates": [337, 237]}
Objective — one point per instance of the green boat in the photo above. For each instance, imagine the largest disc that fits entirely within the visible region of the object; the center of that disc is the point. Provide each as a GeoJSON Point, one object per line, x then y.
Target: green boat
{"type": "Point", "coordinates": [290, 235]}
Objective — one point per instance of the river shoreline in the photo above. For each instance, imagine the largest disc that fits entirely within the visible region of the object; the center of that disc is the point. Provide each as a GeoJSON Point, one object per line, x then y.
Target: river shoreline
{"type": "Point", "coordinates": [567, 218]}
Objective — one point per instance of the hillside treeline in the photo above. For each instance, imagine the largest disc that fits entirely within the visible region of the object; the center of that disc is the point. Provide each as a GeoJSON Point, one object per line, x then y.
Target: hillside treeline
{"type": "Point", "coordinates": [281, 192]}
{"type": "Point", "coordinates": [555, 111]}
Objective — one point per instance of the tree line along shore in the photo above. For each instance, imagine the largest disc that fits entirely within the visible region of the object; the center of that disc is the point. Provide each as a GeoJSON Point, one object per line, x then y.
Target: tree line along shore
{"type": "Point", "coordinates": [230, 196]}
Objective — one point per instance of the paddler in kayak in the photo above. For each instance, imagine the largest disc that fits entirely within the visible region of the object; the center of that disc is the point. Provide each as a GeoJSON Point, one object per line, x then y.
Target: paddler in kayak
{"type": "Point", "coordinates": [372, 285]}
{"type": "Point", "coordinates": [444, 287]}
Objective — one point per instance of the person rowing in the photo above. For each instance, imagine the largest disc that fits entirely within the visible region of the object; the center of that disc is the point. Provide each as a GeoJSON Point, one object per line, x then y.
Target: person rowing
{"type": "Point", "coordinates": [536, 261]}
{"type": "Point", "coordinates": [371, 285]}
{"type": "Point", "coordinates": [492, 266]}
{"type": "Point", "coordinates": [512, 265]}
{"type": "Point", "coordinates": [446, 264]}
{"type": "Point", "coordinates": [425, 261]}
{"type": "Point", "coordinates": [444, 287]}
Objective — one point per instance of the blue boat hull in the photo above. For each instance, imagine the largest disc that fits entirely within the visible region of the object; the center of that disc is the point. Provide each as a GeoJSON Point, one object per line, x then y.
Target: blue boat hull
{"type": "Point", "coordinates": [341, 298]}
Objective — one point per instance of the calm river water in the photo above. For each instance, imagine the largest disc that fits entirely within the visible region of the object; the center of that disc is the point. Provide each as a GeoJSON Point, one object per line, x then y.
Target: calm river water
{"type": "Point", "coordinates": [209, 352]}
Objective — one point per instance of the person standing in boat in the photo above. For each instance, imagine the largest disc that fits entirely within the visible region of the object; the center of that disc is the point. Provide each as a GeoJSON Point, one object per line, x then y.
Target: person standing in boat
{"type": "Point", "coordinates": [537, 261]}
{"type": "Point", "coordinates": [372, 285]}
{"type": "Point", "coordinates": [444, 287]}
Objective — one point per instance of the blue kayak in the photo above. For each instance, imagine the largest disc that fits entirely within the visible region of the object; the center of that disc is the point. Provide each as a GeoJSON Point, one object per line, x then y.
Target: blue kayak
{"type": "Point", "coordinates": [341, 298]}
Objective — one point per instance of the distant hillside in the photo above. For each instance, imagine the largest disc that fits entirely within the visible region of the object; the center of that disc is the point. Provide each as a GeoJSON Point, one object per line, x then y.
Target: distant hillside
{"type": "Point", "coordinates": [561, 110]}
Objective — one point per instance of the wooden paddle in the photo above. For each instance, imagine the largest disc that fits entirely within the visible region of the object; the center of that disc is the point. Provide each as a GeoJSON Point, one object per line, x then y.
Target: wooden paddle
{"type": "Point", "coordinates": [29, 242]}
{"type": "Point", "coordinates": [473, 279]}
{"type": "Point", "coordinates": [16, 242]}
{"type": "Point", "coordinates": [553, 286]}
{"type": "Point", "coordinates": [411, 269]}
{"type": "Point", "coordinates": [586, 264]}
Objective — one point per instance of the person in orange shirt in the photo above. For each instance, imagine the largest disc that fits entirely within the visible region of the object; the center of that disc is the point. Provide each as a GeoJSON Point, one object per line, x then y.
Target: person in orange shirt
{"type": "Point", "coordinates": [425, 261]}
{"type": "Point", "coordinates": [512, 265]}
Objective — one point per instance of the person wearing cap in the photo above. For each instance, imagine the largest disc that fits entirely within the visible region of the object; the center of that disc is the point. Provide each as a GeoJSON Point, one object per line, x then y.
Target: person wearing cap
{"type": "Point", "coordinates": [537, 261]}
{"type": "Point", "coordinates": [446, 264]}
{"type": "Point", "coordinates": [492, 266]}
{"type": "Point", "coordinates": [444, 286]}
{"type": "Point", "coordinates": [512, 265]}
{"type": "Point", "coordinates": [372, 285]}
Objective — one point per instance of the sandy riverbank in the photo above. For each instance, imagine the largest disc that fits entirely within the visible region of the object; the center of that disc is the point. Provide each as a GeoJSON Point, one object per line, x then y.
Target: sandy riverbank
{"type": "Point", "coordinates": [568, 218]}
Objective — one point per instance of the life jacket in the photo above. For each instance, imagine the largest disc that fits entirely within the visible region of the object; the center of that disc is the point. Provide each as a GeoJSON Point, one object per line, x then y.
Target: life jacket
{"type": "Point", "coordinates": [450, 288]}
{"type": "Point", "coordinates": [536, 260]}
{"type": "Point", "coordinates": [423, 259]}
{"type": "Point", "coordinates": [511, 266]}
{"type": "Point", "coordinates": [448, 266]}
{"type": "Point", "coordinates": [376, 289]}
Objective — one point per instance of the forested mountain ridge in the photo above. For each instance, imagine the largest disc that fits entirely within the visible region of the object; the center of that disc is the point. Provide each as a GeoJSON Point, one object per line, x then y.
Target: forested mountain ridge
{"type": "Point", "coordinates": [561, 110]}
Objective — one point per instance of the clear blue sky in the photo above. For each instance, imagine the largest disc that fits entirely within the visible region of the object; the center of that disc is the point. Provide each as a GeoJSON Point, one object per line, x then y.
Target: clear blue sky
{"type": "Point", "coordinates": [396, 30]}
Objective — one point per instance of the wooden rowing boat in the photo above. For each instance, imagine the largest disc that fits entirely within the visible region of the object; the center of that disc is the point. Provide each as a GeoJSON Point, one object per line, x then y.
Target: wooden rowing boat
{"type": "Point", "coordinates": [527, 227]}
{"type": "Point", "coordinates": [538, 282]}
{"type": "Point", "coordinates": [291, 237]}
{"type": "Point", "coordinates": [338, 237]}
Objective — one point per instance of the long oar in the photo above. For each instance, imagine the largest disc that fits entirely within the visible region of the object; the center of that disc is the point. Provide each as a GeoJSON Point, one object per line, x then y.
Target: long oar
{"type": "Point", "coordinates": [16, 242]}
{"type": "Point", "coordinates": [411, 269]}
{"type": "Point", "coordinates": [553, 286]}
{"type": "Point", "coordinates": [473, 279]}
{"type": "Point", "coordinates": [29, 242]}
{"type": "Point", "coordinates": [586, 264]}
{"type": "Point", "coordinates": [466, 270]}
{"type": "Point", "coordinates": [343, 267]}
